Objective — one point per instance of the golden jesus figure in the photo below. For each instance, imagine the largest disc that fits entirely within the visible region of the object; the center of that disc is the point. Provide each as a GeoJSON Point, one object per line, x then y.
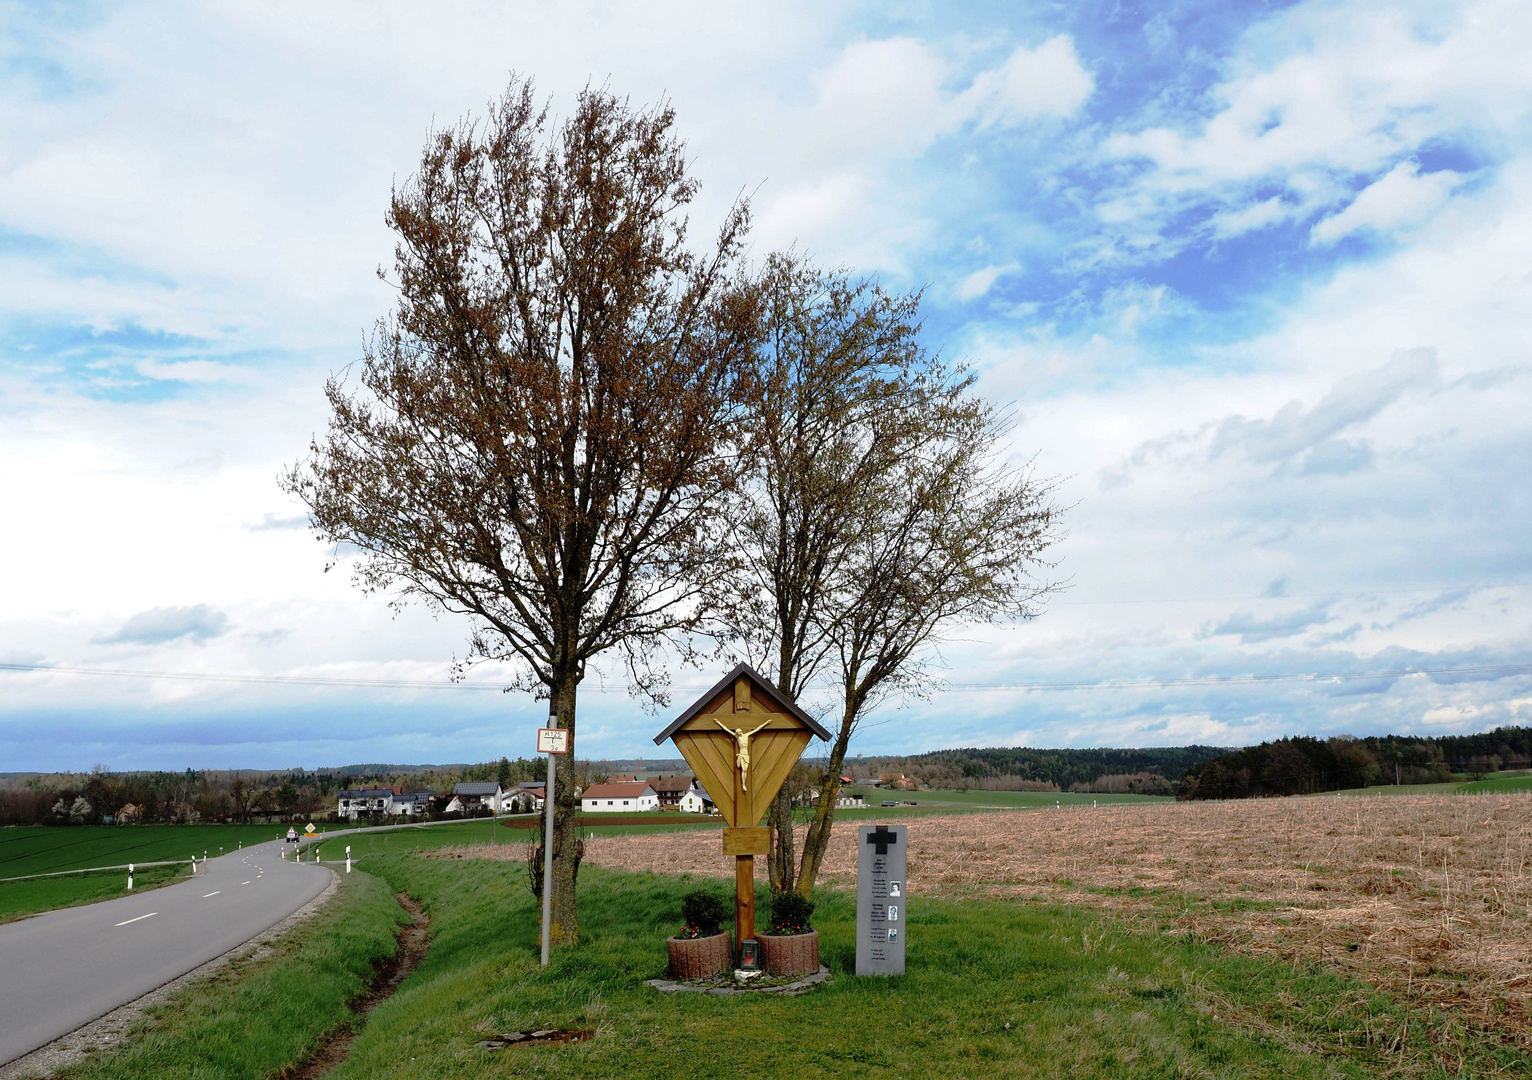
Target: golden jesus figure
{"type": "Point", "coordinates": [742, 754]}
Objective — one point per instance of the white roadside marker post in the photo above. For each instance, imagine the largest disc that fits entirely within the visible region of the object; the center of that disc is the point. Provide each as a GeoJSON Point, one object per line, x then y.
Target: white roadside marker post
{"type": "Point", "coordinates": [194, 866]}
{"type": "Point", "coordinates": [130, 877]}
{"type": "Point", "coordinates": [348, 858]}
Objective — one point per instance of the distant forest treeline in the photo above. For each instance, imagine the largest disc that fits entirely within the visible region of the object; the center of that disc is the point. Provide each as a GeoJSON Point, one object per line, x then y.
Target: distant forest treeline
{"type": "Point", "coordinates": [1303, 765]}
{"type": "Point", "coordinates": [1151, 770]}
{"type": "Point", "coordinates": [199, 795]}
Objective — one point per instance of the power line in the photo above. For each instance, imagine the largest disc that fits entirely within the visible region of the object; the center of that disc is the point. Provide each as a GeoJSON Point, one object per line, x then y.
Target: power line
{"type": "Point", "coordinates": [1032, 687]}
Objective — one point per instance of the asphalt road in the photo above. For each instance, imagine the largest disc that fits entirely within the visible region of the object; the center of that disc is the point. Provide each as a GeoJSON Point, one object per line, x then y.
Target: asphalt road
{"type": "Point", "coordinates": [66, 968]}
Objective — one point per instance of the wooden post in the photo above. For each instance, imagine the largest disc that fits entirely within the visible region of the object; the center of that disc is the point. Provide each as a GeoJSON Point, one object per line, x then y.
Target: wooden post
{"type": "Point", "coordinates": [744, 865]}
{"type": "Point", "coordinates": [744, 899]}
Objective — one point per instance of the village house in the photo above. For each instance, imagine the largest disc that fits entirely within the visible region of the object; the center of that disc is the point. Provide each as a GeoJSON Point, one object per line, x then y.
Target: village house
{"type": "Point", "coordinates": [360, 802]}
{"type": "Point", "coordinates": [382, 802]}
{"type": "Point", "coordinates": [471, 796]}
{"type": "Point", "coordinates": [619, 797]}
{"type": "Point", "coordinates": [415, 803]}
{"type": "Point", "coordinates": [695, 801]}
{"type": "Point", "coordinates": [671, 789]}
{"type": "Point", "coordinates": [525, 797]}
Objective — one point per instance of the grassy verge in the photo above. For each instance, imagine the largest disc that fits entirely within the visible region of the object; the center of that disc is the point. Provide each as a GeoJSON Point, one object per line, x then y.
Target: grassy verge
{"type": "Point", "coordinates": [18, 899]}
{"type": "Point", "coordinates": [994, 989]}
{"type": "Point", "coordinates": [257, 1018]}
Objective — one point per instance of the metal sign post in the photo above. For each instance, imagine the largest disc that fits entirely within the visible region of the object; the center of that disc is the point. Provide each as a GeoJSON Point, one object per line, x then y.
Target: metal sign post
{"type": "Point", "coordinates": [550, 741]}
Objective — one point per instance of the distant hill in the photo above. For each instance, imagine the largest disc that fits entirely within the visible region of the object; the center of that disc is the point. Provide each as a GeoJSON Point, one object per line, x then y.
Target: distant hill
{"type": "Point", "coordinates": [1019, 767]}
{"type": "Point", "coordinates": [1302, 765]}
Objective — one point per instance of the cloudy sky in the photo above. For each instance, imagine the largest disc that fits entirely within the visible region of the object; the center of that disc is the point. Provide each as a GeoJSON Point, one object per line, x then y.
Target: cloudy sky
{"type": "Point", "coordinates": [1255, 279]}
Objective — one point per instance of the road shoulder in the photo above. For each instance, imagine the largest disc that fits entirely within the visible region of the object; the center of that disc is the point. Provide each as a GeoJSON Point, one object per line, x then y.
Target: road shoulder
{"type": "Point", "coordinates": [108, 1031]}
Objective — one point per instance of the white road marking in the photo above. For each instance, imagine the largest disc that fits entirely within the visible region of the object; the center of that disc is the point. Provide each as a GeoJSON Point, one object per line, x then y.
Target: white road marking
{"type": "Point", "coordinates": [244, 883]}
{"type": "Point", "coordinates": [215, 892]}
{"type": "Point", "coordinates": [126, 921]}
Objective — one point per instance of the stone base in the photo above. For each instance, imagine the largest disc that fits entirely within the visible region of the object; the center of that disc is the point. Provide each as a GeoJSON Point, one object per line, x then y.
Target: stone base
{"type": "Point", "coordinates": [731, 987]}
{"type": "Point", "coordinates": [700, 958]}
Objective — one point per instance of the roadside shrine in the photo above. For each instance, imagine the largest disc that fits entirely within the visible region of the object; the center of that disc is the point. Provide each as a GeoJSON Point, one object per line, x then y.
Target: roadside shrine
{"type": "Point", "coordinates": [741, 739]}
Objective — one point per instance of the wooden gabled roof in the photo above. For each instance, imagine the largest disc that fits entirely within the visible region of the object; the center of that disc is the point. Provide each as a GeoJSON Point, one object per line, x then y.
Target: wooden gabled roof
{"type": "Point", "coordinates": [778, 701]}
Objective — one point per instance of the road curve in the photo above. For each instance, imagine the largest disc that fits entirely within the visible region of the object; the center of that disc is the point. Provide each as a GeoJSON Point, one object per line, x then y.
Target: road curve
{"type": "Point", "coordinates": [66, 968]}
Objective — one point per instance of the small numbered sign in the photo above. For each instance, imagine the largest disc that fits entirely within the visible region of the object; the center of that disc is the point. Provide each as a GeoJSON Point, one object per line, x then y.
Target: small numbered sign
{"type": "Point", "coordinates": [553, 740]}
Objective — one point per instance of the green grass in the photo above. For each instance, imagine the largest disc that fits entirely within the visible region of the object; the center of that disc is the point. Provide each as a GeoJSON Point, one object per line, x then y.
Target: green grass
{"type": "Point", "coordinates": [1509, 784]}
{"type": "Point", "coordinates": [1082, 995]}
{"type": "Point", "coordinates": [1448, 788]}
{"type": "Point", "coordinates": [19, 899]}
{"type": "Point", "coordinates": [258, 1018]}
{"type": "Point", "coordinates": [994, 989]}
{"type": "Point", "coordinates": [43, 849]}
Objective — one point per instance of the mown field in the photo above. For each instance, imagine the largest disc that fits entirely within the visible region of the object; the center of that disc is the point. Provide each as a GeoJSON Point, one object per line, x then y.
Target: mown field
{"type": "Point", "coordinates": [995, 988]}
{"type": "Point", "coordinates": [30, 896]}
{"type": "Point", "coordinates": [46, 849]}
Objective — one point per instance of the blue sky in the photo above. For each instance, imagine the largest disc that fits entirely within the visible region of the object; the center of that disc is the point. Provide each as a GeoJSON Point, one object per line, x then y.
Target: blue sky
{"type": "Point", "coordinates": [1253, 278]}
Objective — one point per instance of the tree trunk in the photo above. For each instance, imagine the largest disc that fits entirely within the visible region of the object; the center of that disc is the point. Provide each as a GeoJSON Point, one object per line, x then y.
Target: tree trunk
{"type": "Point", "coordinates": [818, 839]}
{"type": "Point", "coordinates": [780, 858]}
{"type": "Point", "coordinates": [565, 928]}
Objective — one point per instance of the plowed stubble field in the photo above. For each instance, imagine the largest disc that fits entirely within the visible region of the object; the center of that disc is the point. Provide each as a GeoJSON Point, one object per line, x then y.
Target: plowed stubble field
{"type": "Point", "coordinates": [1425, 897]}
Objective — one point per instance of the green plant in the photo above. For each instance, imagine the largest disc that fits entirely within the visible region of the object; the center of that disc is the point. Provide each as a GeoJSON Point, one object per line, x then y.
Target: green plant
{"type": "Point", "coordinates": [703, 913]}
{"type": "Point", "coordinates": [790, 913]}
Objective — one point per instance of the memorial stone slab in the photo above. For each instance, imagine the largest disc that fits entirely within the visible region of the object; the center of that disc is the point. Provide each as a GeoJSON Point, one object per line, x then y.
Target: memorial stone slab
{"type": "Point", "coordinates": [881, 889]}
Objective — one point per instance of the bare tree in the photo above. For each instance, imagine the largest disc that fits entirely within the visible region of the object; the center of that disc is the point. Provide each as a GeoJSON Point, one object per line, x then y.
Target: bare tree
{"type": "Point", "coordinates": [534, 440]}
{"type": "Point", "coordinates": [875, 515]}
{"type": "Point", "coordinates": [833, 409]}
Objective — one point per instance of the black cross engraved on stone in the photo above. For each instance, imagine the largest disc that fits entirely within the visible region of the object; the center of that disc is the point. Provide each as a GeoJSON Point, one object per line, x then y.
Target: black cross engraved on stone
{"type": "Point", "coordinates": [882, 838]}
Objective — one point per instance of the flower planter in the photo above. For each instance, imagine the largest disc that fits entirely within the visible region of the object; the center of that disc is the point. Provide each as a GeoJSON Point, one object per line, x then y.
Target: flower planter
{"type": "Point", "coordinates": [700, 958]}
{"type": "Point", "coordinates": [790, 954]}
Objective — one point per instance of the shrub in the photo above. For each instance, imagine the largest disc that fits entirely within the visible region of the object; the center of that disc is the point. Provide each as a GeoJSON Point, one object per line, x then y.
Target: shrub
{"type": "Point", "coordinates": [703, 913]}
{"type": "Point", "coordinates": [790, 913]}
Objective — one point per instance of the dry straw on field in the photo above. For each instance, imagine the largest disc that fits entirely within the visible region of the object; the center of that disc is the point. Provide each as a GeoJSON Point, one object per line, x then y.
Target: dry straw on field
{"type": "Point", "coordinates": [1425, 897]}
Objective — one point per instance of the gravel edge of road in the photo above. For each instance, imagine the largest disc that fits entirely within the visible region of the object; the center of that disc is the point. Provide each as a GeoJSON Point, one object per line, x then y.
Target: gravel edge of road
{"type": "Point", "coordinates": [104, 1032]}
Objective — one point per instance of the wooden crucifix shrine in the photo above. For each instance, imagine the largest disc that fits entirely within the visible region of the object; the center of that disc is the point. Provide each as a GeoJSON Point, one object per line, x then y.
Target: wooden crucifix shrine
{"type": "Point", "coordinates": [741, 739]}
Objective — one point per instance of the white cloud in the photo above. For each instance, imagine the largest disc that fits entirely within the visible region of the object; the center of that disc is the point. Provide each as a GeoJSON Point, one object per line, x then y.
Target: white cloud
{"type": "Point", "coordinates": [1294, 429]}
{"type": "Point", "coordinates": [159, 625]}
{"type": "Point", "coordinates": [1048, 81]}
{"type": "Point", "coordinates": [980, 282]}
{"type": "Point", "coordinates": [1401, 197]}
{"type": "Point", "coordinates": [1261, 215]}
{"type": "Point", "coordinates": [1319, 98]}
{"type": "Point", "coordinates": [191, 371]}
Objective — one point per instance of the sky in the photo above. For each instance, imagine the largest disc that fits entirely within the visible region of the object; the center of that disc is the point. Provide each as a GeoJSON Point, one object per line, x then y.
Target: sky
{"type": "Point", "coordinates": [1253, 280]}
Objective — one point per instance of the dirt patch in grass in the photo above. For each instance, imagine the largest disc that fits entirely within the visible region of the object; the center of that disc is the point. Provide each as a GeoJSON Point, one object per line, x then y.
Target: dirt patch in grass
{"type": "Point", "coordinates": [414, 940]}
{"type": "Point", "coordinates": [1425, 897]}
